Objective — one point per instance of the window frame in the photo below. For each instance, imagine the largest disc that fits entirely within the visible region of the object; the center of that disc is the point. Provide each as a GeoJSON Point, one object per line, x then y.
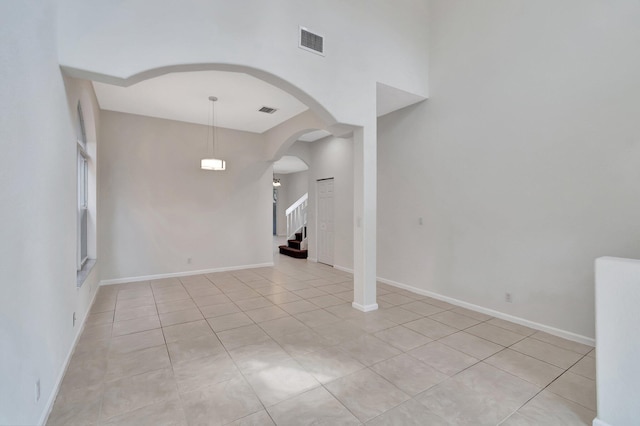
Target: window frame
{"type": "Point", "coordinates": [82, 183]}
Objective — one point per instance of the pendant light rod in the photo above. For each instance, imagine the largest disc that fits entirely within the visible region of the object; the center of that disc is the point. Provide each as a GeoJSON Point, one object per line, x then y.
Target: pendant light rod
{"type": "Point", "coordinates": [212, 163]}
{"type": "Point", "coordinates": [212, 125]}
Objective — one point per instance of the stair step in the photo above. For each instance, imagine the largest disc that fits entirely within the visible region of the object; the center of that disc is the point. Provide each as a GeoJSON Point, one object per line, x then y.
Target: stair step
{"type": "Point", "coordinates": [298, 236]}
{"type": "Point", "coordinates": [290, 251]}
{"type": "Point", "coordinates": [294, 244]}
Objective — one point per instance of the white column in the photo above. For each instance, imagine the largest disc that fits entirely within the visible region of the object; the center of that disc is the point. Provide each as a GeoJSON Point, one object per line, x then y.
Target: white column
{"type": "Point", "coordinates": [364, 211]}
{"type": "Point", "coordinates": [618, 344]}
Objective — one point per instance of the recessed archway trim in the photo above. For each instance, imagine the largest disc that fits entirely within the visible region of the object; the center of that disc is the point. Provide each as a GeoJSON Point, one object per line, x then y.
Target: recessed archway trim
{"type": "Point", "coordinates": [270, 78]}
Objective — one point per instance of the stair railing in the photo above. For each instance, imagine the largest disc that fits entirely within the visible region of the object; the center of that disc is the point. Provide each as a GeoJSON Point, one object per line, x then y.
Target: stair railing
{"type": "Point", "coordinates": [297, 217]}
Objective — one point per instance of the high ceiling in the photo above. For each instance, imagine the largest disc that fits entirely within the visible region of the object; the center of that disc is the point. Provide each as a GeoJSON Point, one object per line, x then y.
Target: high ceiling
{"type": "Point", "coordinates": [184, 97]}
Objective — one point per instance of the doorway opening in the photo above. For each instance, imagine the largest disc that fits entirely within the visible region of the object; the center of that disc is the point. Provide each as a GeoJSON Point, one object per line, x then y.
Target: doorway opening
{"type": "Point", "coordinates": [290, 205]}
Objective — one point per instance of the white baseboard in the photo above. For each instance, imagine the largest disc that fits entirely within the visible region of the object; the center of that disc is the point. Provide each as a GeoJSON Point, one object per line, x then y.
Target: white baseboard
{"type": "Point", "coordinates": [598, 422]}
{"type": "Point", "coordinates": [56, 388]}
{"type": "Point", "coordinates": [343, 269]}
{"type": "Point", "coordinates": [313, 259]}
{"type": "Point", "coordinates": [527, 323]}
{"type": "Point", "coordinates": [183, 274]}
{"type": "Point", "coordinates": [365, 308]}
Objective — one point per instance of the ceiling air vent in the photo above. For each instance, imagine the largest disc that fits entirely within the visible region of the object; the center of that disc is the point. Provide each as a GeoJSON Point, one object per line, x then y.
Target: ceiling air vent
{"type": "Point", "coordinates": [267, 110]}
{"type": "Point", "coordinates": [311, 42]}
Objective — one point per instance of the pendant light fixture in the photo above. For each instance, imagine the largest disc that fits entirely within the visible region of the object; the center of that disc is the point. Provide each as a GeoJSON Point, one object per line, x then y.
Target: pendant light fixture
{"type": "Point", "coordinates": [212, 163]}
{"type": "Point", "coordinates": [276, 182]}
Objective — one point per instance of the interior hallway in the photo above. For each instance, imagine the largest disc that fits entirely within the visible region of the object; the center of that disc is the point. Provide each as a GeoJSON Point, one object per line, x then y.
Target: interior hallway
{"type": "Point", "coordinates": [283, 346]}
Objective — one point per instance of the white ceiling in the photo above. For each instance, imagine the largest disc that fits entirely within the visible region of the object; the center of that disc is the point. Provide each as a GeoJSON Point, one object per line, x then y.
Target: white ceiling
{"type": "Point", "coordinates": [289, 164]}
{"type": "Point", "coordinates": [314, 136]}
{"type": "Point", "coordinates": [184, 96]}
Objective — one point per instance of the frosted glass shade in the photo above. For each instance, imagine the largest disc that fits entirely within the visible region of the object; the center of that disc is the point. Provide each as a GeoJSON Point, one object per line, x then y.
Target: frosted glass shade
{"type": "Point", "coordinates": [212, 164]}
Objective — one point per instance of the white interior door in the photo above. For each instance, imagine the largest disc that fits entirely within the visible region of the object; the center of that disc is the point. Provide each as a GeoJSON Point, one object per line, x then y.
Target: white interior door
{"type": "Point", "coordinates": [325, 221]}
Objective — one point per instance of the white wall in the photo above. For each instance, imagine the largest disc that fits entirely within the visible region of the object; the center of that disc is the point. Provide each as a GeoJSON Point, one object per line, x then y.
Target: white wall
{"type": "Point", "coordinates": [617, 319]}
{"type": "Point", "coordinates": [159, 208]}
{"type": "Point", "coordinates": [38, 292]}
{"type": "Point", "coordinates": [297, 185]}
{"type": "Point", "coordinates": [294, 186]}
{"type": "Point", "coordinates": [118, 43]}
{"type": "Point", "coordinates": [333, 157]}
{"type": "Point", "coordinates": [524, 161]}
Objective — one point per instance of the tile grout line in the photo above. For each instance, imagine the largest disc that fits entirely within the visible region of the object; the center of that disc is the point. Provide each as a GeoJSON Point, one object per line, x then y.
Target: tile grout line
{"type": "Point", "coordinates": [550, 383]}
{"type": "Point", "coordinates": [365, 332]}
{"type": "Point", "coordinates": [244, 378]}
{"type": "Point", "coordinates": [166, 347]}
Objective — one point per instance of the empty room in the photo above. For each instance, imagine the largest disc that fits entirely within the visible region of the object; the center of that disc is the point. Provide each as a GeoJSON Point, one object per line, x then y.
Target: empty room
{"type": "Point", "coordinates": [418, 212]}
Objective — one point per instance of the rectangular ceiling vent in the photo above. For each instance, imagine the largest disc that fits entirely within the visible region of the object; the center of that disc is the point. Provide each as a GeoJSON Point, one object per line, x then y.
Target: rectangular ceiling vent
{"type": "Point", "coordinates": [311, 42]}
{"type": "Point", "coordinates": [267, 110]}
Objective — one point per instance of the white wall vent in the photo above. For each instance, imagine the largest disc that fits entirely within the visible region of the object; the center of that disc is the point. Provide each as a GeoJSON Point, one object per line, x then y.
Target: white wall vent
{"type": "Point", "coordinates": [311, 41]}
{"type": "Point", "coordinates": [267, 110]}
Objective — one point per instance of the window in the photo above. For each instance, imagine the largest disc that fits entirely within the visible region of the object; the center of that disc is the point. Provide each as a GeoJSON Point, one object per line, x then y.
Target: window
{"type": "Point", "coordinates": [83, 192]}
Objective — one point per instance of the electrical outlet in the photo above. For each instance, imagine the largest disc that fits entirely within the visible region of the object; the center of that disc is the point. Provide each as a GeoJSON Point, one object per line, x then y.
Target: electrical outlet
{"type": "Point", "coordinates": [507, 298]}
{"type": "Point", "coordinates": [74, 319]}
{"type": "Point", "coordinates": [38, 390]}
{"type": "Point", "coordinates": [188, 260]}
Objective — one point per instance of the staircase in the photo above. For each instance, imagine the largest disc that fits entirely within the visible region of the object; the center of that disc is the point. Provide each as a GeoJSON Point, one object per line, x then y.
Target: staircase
{"type": "Point", "coordinates": [296, 229]}
{"type": "Point", "coordinates": [294, 247]}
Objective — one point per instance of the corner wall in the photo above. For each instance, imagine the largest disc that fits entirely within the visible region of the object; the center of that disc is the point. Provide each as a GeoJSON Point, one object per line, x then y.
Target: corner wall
{"type": "Point", "coordinates": [164, 215]}
{"type": "Point", "coordinates": [38, 209]}
{"type": "Point", "coordinates": [523, 163]}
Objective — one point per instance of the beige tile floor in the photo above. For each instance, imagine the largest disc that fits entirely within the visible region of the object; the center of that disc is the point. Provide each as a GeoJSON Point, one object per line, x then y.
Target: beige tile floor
{"type": "Point", "coordinates": [283, 346]}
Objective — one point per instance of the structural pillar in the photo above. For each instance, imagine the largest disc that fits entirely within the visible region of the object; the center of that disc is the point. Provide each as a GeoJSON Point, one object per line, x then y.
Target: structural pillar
{"type": "Point", "coordinates": [364, 212]}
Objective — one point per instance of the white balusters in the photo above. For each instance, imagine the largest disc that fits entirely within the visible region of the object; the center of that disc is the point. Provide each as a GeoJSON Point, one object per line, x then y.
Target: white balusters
{"type": "Point", "coordinates": [297, 217]}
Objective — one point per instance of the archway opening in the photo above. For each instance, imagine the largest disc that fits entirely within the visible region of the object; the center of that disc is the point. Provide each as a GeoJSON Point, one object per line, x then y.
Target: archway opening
{"type": "Point", "coordinates": [227, 209]}
{"type": "Point", "coordinates": [290, 195]}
